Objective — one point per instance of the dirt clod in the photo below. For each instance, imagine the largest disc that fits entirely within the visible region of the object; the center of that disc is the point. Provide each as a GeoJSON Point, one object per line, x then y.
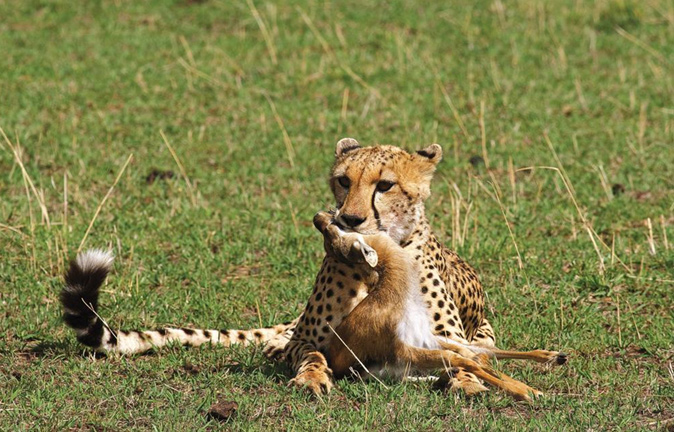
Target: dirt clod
{"type": "Point", "coordinates": [618, 189]}
{"type": "Point", "coordinates": [223, 410]}
{"type": "Point", "coordinates": [476, 161]}
{"type": "Point", "coordinates": [157, 174]}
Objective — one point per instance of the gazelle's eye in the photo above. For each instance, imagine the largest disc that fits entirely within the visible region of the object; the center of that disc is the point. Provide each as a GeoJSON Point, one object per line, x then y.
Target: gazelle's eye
{"type": "Point", "coordinates": [344, 182]}
{"type": "Point", "coordinates": [384, 185]}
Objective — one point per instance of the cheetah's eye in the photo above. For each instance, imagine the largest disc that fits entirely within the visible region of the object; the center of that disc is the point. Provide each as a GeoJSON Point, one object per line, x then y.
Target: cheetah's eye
{"type": "Point", "coordinates": [384, 185]}
{"type": "Point", "coordinates": [344, 182]}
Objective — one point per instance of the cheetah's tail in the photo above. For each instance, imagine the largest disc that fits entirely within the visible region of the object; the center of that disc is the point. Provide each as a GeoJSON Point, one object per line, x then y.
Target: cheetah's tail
{"type": "Point", "coordinates": [79, 298]}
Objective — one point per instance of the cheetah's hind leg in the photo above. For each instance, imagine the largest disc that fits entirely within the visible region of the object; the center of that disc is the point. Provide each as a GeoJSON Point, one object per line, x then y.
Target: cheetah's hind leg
{"type": "Point", "coordinates": [457, 380]}
{"type": "Point", "coordinates": [275, 348]}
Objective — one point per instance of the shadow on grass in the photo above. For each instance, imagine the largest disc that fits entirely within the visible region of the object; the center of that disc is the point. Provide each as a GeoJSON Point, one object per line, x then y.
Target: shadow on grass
{"type": "Point", "coordinates": [276, 371]}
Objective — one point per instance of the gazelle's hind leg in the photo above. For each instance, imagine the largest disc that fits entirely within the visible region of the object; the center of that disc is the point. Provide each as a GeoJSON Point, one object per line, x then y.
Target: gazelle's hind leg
{"type": "Point", "coordinates": [483, 348]}
{"type": "Point", "coordinates": [425, 359]}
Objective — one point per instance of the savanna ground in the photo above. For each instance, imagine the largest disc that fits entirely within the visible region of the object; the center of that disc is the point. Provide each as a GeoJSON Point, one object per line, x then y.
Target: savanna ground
{"type": "Point", "coordinates": [576, 253]}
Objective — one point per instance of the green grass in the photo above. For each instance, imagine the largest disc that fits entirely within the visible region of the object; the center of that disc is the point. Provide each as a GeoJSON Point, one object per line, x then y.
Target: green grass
{"type": "Point", "coordinates": [85, 84]}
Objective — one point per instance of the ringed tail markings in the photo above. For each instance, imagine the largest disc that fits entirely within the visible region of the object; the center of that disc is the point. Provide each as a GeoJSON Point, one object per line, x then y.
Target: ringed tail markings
{"type": "Point", "coordinates": [79, 298]}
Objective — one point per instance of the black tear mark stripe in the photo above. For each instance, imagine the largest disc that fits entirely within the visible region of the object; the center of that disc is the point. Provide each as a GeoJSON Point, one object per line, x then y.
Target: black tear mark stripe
{"type": "Point", "coordinates": [376, 213]}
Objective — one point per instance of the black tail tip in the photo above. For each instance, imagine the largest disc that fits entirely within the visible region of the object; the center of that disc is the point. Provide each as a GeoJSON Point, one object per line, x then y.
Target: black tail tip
{"type": "Point", "coordinates": [83, 279]}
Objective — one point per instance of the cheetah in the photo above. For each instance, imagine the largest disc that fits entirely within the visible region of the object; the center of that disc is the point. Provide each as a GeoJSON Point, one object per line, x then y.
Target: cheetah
{"type": "Point", "coordinates": [382, 190]}
{"type": "Point", "coordinates": [379, 189]}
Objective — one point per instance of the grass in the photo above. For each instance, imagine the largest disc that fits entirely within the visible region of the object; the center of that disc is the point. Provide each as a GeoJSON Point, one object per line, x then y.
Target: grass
{"type": "Point", "coordinates": [231, 111]}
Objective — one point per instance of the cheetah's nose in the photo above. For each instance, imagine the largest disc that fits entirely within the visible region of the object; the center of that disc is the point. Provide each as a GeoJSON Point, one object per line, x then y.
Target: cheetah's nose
{"type": "Point", "coordinates": [351, 221]}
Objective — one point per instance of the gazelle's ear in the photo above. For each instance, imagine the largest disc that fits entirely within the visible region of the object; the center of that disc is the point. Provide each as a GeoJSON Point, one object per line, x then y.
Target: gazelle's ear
{"type": "Point", "coordinates": [345, 145]}
{"type": "Point", "coordinates": [432, 153]}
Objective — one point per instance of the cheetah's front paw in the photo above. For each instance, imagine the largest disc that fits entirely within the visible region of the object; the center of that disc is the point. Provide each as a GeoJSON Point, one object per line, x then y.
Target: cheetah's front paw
{"type": "Point", "coordinates": [316, 382]}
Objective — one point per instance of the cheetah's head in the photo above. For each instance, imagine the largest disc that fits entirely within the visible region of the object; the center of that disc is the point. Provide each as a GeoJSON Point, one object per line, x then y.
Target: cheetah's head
{"type": "Point", "coordinates": [382, 188]}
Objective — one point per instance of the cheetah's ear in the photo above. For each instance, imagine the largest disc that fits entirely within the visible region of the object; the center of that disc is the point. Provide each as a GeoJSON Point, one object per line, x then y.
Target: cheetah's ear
{"type": "Point", "coordinates": [432, 153]}
{"type": "Point", "coordinates": [425, 161]}
{"type": "Point", "coordinates": [345, 145]}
